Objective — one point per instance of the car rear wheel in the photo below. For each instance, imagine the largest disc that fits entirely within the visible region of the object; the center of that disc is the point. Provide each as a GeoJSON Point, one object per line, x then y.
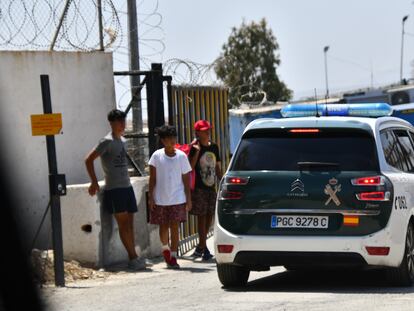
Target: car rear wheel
{"type": "Point", "coordinates": [404, 274]}
{"type": "Point", "coordinates": [232, 275]}
{"type": "Point", "coordinates": [295, 268]}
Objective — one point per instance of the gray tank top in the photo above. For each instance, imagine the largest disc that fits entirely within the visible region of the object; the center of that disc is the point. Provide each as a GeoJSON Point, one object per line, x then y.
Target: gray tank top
{"type": "Point", "coordinates": [112, 152]}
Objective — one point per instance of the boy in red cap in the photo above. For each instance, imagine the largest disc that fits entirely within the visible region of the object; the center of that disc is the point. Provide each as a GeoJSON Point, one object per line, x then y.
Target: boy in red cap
{"type": "Point", "coordinates": [205, 160]}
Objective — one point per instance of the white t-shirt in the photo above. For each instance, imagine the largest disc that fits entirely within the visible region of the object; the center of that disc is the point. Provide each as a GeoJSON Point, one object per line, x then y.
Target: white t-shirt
{"type": "Point", "coordinates": [169, 187]}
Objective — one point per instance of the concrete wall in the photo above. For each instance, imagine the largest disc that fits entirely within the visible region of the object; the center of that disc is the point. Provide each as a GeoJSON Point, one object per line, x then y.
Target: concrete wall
{"type": "Point", "coordinates": [90, 235]}
{"type": "Point", "coordinates": [82, 89]}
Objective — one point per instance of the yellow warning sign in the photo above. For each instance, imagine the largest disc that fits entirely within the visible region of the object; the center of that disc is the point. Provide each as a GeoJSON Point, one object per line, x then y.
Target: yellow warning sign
{"type": "Point", "coordinates": [46, 124]}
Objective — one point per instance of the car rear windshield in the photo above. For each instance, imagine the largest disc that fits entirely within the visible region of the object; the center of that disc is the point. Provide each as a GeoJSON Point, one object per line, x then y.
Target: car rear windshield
{"type": "Point", "coordinates": [328, 149]}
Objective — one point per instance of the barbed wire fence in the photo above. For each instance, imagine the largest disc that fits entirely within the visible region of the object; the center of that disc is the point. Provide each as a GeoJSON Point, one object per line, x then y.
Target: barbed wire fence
{"type": "Point", "coordinates": [74, 25]}
{"type": "Point", "coordinates": [58, 25]}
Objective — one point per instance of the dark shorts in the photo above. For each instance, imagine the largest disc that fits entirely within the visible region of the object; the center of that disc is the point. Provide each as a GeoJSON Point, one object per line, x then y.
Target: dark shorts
{"type": "Point", "coordinates": [163, 214]}
{"type": "Point", "coordinates": [119, 200]}
{"type": "Point", "coordinates": [204, 202]}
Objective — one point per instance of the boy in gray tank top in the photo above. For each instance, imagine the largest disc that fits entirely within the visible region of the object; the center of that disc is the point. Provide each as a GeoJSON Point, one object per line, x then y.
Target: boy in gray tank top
{"type": "Point", "coordinates": [118, 195]}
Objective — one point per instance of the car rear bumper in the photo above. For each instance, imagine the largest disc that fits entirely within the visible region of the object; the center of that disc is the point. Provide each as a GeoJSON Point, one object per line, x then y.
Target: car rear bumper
{"type": "Point", "coordinates": [263, 251]}
{"type": "Point", "coordinates": [258, 259]}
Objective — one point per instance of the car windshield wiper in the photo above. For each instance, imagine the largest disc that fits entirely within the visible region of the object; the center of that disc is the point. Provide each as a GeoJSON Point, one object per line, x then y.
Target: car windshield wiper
{"type": "Point", "coordinates": [317, 164]}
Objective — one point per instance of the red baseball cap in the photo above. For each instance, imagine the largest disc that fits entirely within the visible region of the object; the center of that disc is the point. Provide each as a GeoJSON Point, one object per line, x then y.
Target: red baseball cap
{"type": "Point", "coordinates": [202, 125]}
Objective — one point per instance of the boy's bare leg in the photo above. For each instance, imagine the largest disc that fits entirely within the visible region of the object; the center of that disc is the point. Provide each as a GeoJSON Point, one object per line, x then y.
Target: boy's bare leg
{"type": "Point", "coordinates": [209, 219]}
{"type": "Point", "coordinates": [174, 235]}
{"type": "Point", "coordinates": [131, 228]}
{"type": "Point", "coordinates": [164, 234]}
{"type": "Point", "coordinates": [126, 232]}
{"type": "Point", "coordinates": [202, 233]}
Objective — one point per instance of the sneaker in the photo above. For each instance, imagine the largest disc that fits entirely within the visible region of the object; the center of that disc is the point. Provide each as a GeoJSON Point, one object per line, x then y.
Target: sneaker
{"type": "Point", "coordinates": [207, 255]}
{"type": "Point", "coordinates": [166, 253]}
{"type": "Point", "coordinates": [198, 252]}
{"type": "Point", "coordinates": [172, 264]}
{"type": "Point", "coordinates": [148, 262]}
{"type": "Point", "coordinates": [137, 264]}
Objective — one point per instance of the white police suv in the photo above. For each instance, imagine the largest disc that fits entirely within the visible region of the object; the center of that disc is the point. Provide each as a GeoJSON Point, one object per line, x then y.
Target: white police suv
{"type": "Point", "coordinates": [333, 189]}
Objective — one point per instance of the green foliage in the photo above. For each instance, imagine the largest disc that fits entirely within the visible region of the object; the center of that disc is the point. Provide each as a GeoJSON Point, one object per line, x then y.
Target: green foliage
{"type": "Point", "coordinates": [248, 62]}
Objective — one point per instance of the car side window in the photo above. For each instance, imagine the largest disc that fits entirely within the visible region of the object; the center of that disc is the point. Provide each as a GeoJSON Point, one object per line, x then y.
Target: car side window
{"type": "Point", "coordinates": [392, 149]}
{"type": "Point", "coordinates": [411, 134]}
{"type": "Point", "coordinates": [406, 149]}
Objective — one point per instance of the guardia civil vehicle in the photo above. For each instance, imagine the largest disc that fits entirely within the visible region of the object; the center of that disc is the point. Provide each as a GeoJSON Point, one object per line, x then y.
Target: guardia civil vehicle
{"type": "Point", "coordinates": [332, 189]}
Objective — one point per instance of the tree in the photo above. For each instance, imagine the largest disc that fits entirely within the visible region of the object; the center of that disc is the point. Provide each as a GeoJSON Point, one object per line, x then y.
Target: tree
{"type": "Point", "coordinates": [248, 62]}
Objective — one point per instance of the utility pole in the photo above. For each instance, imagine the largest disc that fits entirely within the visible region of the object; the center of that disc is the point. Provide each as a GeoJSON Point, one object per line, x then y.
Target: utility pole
{"type": "Point", "coordinates": [100, 24]}
{"type": "Point", "coordinates": [135, 80]}
{"type": "Point", "coordinates": [402, 48]}
{"type": "Point", "coordinates": [325, 50]}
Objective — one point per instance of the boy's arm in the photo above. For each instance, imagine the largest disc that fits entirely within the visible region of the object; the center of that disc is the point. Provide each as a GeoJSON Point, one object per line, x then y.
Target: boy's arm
{"type": "Point", "coordinates": [219, 174]}
{"type": "Point", "coordinates": [90, 158]}
{"type": "Point", "coordinates": [187, 190]}
{"type": "Point", "coordinates": [193, 156]}
{"type": "Point", "coordinates": [152, 182]}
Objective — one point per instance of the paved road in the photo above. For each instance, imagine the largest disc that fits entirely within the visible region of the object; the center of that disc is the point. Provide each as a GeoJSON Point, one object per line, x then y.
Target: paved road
{"type": "Point", "coordinates": [196, 287]}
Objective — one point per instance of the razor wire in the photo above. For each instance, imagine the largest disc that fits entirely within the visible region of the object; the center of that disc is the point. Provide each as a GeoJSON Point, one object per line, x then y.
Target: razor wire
{"type": "Point", "coordinates": [32, 25]}
{"type": "Point", "coordinates": [186, 71]}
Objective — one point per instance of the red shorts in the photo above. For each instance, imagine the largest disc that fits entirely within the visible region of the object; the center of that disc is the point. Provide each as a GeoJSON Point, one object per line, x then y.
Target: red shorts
{"type": "Point", "coordinates": [204, 202]}
{"type": "Point", "coordinates": [163, 214]}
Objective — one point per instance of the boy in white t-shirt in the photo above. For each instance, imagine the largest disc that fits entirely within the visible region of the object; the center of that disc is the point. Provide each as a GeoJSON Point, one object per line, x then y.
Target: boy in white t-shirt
{"type": "Point", "coordinates": [169, 192]}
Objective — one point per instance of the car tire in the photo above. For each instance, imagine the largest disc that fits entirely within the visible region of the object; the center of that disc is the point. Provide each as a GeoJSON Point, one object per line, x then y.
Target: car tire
{"type": "Point", "coordinates": [404, 274]}
{"type": "Point", "coordinates": [232, 275]}
{"type": "Point", "coordinates": [293, 268]}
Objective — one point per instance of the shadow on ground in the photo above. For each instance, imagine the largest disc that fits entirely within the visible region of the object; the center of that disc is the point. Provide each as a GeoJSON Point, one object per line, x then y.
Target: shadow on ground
{"type": "Point", "coordinates": [154, 265]}
{"type": "Point", "coordinates": [324, 281]}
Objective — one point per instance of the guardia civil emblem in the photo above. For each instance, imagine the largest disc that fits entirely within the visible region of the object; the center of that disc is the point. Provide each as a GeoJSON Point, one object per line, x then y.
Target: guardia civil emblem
{"type": "Point", "coordinates": [331, 189]}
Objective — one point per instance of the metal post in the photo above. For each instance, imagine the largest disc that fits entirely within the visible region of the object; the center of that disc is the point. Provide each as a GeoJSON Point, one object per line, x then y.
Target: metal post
{"type": "Point", "coordinates": [52, 45]}
{"type": "Point", "coordinates": [135, 80]}
{"type": "Point", "coordinates": [325, 50]}
{"type": "Point", "coordinates": [101, 43]}
{"type": "Point", "coordinates": [54, 199]}
{"type": "Point", "coordinates": [155, 102]}
{"type": "Point", "coordinates": [402, 48]}
{"type": "Point", "coordinates": [169, 94]}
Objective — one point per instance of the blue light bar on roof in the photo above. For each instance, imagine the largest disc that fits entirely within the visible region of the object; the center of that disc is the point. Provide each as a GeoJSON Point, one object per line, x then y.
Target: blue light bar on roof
{"type": "Point", "coordinates": [350, 110]}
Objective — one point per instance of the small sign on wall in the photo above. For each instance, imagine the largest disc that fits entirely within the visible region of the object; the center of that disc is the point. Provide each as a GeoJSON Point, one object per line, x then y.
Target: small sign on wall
{"type": "Point", "coordinates": [46, 124]}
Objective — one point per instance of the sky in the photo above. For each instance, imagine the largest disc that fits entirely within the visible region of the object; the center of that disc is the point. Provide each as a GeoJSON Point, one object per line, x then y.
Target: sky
{"type": "Point", "coordinates": [364, 37]}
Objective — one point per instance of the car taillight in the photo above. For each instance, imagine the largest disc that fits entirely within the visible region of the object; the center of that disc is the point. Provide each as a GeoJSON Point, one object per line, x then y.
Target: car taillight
{"type": "Point", "coordinates": [231, 180]}
{"type": "Point", "coordinates": [306, 130]}
{"type": "Point", "coordinates": [224, 248]}
{"type": "Point", "coordinates": [230, 195]}
{"type": "Point", "coordinates": [373, 196]}
{"type": "Point", "coordinates": [378, 251]}
{"type": "Point", "coordinates": [368, 181]}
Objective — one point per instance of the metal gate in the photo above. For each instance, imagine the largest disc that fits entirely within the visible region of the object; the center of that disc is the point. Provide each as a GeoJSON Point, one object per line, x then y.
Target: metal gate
{"type": "Point", "coordinates": [192, 103]}
{"type": "Point", "coordinates": [189, 104]}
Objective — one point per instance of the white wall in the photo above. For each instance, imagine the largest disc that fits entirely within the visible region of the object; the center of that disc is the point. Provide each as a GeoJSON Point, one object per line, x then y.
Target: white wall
{"type": "Point", "coordinates": [82, 89]}
{"type": "Point", "coordinates": [102, 246]}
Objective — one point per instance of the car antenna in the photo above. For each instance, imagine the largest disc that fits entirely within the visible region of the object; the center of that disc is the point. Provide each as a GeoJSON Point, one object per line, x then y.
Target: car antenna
{"type": "Point", "coordinates": [316, 104]}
